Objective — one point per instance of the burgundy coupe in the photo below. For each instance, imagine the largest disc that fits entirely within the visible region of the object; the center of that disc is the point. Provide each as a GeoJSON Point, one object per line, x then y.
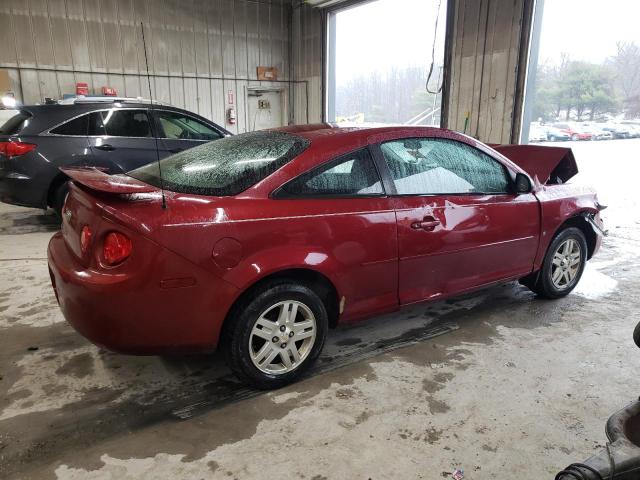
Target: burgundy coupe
{"type": "Point", "coordinates": [266, 239]}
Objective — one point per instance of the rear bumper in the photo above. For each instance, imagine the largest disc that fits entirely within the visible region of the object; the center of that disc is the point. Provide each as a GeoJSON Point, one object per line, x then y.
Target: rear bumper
{"type": "Point", "coordinates": [16, 189]}
{"type": "Point", "coordinates": [141, 313]}
{"type": "Point", "coordinates": [21, 184]}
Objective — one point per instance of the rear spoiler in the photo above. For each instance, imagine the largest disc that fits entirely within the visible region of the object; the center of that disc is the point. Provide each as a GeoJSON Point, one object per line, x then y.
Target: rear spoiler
{"type": "Point", "coordinates": [100, 181]}
{"type": "Point", "coordinates": [550, 165]}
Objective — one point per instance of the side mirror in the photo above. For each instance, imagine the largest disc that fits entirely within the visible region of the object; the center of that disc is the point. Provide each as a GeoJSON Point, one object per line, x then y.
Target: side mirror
{"type": "Point", "coordinates": [523, 184]}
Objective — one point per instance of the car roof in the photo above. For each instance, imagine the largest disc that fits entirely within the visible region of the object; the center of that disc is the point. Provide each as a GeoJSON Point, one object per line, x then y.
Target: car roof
{"type": "Point", "coordinates": [46, 116]}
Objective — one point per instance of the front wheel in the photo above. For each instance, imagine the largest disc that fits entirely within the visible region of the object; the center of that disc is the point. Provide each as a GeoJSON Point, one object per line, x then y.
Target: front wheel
{"type": "Point", "coordinates": [563, 264]}
{"type": "Point", "coordinates": [276, 335]}
{"type": "Point", "coordinates": [575, 137]}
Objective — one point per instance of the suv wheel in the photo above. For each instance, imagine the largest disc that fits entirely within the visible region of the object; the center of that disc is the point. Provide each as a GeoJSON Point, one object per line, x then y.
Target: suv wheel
{"type": "Point", "coordinates": [563, 265]}
{"type": "Point", "coordinates": [276, 335]}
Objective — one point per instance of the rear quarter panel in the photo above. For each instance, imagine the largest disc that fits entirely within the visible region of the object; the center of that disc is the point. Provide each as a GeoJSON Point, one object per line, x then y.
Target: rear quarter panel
{"type": "Point", "coordinates": [351, 242]}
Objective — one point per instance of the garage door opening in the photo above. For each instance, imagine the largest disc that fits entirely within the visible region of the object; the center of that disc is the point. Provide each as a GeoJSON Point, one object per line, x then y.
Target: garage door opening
{"type": "Point", "coordinates": [584, 75]}
{"type": "Point", "coordinates": [385, 63]}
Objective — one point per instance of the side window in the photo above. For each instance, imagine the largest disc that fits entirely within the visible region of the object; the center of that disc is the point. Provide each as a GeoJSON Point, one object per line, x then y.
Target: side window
{"type": "Point", "coordinates": [184, 127]}
{"type": "Point", "coordinates": [120, 123]}
{"type": "Point", "coordinates": [76, 127]}
{"type": "Point", "coordinates": [430, 166]}
{"type": "Point", "coordinates": [96, 127]}
{"type": "Point", "coordinates": [351, 175]}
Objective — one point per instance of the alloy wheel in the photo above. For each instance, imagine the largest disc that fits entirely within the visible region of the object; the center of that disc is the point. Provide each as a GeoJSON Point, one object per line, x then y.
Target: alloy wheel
{"type": "Point", "coordinates": [565, 264]}
{"type": "Point", "coordinates": [282, 337]}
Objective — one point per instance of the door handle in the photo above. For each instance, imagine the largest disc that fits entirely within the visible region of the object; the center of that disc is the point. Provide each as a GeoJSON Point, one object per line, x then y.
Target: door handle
{"type": "Point", "coordinates": [428, 224]}
{"type": "Point", "coordinates": [106, 147]}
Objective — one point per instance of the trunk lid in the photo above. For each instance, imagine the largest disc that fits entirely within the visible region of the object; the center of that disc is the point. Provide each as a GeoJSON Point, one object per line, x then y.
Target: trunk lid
{"type": "Point", "coordinates": [91, 195]}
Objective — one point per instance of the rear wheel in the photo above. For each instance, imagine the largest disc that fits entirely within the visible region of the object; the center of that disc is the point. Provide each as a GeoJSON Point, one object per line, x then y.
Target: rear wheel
{"type": "Point", "coordinates": [276, 335]}
{"type": "Point", "coordinates": [563, 265]}
{"type": "Point", "coordinates": [58, 198]}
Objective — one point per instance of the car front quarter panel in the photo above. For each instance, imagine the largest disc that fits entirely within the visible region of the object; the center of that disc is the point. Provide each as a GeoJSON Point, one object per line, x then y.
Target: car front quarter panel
{"type": "Point", "coordinates": [559, 204]}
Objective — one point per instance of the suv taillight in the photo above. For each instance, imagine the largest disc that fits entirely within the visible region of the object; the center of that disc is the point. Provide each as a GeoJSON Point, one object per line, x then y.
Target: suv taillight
{"type": "Point", "coordinates": [116, 248]}
{"type": "Point", "coordinates": [15, 149]}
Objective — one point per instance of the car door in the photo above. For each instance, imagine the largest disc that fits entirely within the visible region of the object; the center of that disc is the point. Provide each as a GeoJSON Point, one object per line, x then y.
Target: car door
{"type": "Point", "coordinates": [179, 131]}
{"type": "Point", "coordinates": [459, 225]}
{"type": "Point", "coordinates": [342, 207]}
{"type": "Point", "coordinates": [122, 139]}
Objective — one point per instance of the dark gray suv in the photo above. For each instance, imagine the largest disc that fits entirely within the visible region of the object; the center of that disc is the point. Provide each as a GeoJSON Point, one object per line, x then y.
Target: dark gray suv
{"type": "Point", "coordinates": [116, 135]}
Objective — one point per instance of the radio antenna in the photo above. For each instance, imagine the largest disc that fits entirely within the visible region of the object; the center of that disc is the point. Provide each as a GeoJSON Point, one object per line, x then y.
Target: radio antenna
{"type": "Point", "coordinates": [146, 61]}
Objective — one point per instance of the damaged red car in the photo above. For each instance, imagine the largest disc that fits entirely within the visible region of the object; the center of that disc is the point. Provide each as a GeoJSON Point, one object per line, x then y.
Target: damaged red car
{"type": "Point", "coordinates": [259, 243]}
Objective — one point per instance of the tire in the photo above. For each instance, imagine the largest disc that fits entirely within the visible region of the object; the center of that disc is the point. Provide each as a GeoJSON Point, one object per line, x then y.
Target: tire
{"type": "Point", "coordinates": [547, 284]}
{"type": "Point", "coordinates": [58, 198]}
{"type": "Point", "coordinates": [552, 138]}
{"type": "Point", "coordinates": [575, 137]}
{"type": "Point", "coordinates": [256, 347]}
{"type": "Point", "coordinates": [636, 335]}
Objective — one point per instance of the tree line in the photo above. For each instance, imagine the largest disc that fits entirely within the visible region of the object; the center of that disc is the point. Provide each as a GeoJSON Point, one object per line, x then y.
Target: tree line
{"type": "Point", "coordinates": [586, 91]}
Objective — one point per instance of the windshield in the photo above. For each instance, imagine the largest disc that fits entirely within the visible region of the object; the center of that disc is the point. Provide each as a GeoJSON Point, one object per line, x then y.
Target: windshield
{"type": "Point", "coordinates": [224, 167]}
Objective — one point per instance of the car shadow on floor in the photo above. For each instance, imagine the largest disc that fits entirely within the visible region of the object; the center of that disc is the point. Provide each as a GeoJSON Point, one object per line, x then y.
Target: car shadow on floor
{"type": "Point", "coordinates": [28, 221]}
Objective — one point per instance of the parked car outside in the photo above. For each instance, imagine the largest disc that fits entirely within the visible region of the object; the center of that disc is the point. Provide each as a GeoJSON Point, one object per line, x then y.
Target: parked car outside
{"type": "Point", "coordinates": [617, 130]}
{"type": "Point", "coordinates": [574, 131]}
{"type": "Point", "coordinates": [556, 135]}
{"type": "Point", "coordinates": [634, 130]}
{"type": "Point", "coordinates": [596, 132]}
{"type": "Point", "coordinates": [115, 135]}
{"type": "Point", "coordinates": [269, 238]}
{"type": "Point", "coordinates": [537, 134]}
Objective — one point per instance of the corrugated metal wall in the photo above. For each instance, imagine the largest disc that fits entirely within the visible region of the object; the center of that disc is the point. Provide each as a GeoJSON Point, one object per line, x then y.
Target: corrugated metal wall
{"type": "Point", "coordinates": [307, 61]}
{"type": "Point", "coordinates": [488, 38]}
{"type": "Point", "coordinates": [198, 49]}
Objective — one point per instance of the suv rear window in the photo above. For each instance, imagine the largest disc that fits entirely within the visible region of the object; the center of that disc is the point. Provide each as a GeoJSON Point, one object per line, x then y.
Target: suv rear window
{"type": "Point", "coordinates": [16, 123]}
{"type": "Point", "coordinates": [224, 167]}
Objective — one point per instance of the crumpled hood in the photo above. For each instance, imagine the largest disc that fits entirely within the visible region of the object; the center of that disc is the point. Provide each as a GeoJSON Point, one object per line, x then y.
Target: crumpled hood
{"type": "Point", "coordinates": [550, 165]}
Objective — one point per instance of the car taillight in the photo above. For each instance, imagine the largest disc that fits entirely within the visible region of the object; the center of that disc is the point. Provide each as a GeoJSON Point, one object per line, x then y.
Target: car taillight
{"type": "Point", "coordinates": [15, 149]}
{"type": "Point", "coordinates": [116, 249]}
{"type": "Point", "coordinates": [85, 238]}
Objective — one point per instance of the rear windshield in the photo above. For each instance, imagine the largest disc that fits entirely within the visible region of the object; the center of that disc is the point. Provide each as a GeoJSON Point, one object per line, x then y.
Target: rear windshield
{"type": "Point", "coordinates": [15, 123]}
{"type": "Point", "coordinates": [224, 167]}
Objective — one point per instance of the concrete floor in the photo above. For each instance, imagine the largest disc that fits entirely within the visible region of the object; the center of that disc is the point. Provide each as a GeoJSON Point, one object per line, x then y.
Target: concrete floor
{"type": "Point", "coordinates": [499, 383]}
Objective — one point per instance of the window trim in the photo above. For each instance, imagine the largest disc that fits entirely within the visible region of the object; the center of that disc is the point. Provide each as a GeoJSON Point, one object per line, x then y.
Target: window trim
{"type": "Point", "coordinates": [154, 120]}
{"type": "Point", "coordinates": [389, 182]}
{"type": "Point", "coordinates": [281, 194]}
{"type": "Point", "coordinates": [160, 128]}
{"type": "Point", "coordinates": [146, 110]}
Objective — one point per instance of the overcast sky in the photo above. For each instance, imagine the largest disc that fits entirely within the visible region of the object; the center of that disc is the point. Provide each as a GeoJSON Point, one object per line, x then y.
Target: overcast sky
{"type": "Point", "coordinates": [587, 29]}
{"type": "Point", "coordinates": [377, 35]}
{"type": "Point", "coordinates": [384, 33]}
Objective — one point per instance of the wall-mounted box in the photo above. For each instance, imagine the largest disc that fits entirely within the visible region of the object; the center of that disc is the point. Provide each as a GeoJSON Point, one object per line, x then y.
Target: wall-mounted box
{"type": "Point", "coordinates": [268, 73]}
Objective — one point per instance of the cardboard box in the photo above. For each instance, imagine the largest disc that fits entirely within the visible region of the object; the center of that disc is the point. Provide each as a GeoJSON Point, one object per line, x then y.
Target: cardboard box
{"type": "Point", "coordinates": [5, 82]}
{"type": "Point", "coordinates": [268, 73]}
